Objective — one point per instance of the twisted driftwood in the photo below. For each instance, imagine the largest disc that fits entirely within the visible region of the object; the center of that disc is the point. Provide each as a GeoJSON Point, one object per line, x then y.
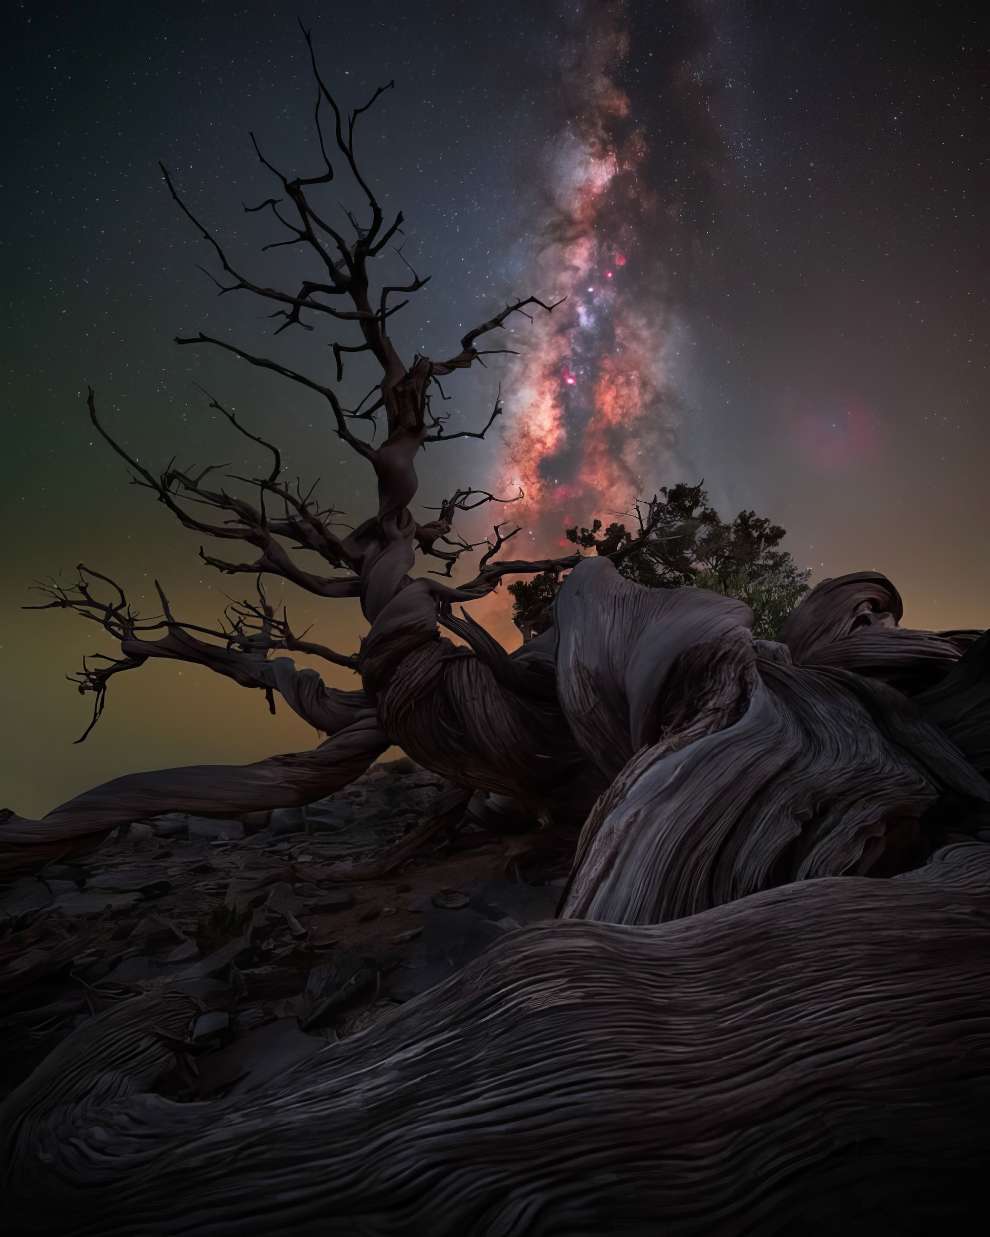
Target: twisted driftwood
{"type": "Point", "coordinates": [812, 1059]}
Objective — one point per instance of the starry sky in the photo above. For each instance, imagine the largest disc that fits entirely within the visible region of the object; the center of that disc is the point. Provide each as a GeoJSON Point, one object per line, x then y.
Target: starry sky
{"type": "Point", "coordinates": [768, 221]}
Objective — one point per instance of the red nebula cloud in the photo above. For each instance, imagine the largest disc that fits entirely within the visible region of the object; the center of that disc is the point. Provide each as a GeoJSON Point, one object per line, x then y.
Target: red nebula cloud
{"type": "Point", "coordinates": [589, 434]}
{"type": "Point", "coordinates": [837, 440]}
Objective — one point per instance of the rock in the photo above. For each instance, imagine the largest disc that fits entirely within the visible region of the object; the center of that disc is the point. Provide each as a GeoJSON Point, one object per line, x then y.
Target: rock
{"type": "Point", "coordinates": [449, 940]}
{"type": "Point", "coordinates": [237, 950]}
{"type": "Point", "coordinates": [57, 887]}
{"type": "Point", "coordinates": [257, 1057]}
{"type": "Point", "coordinates": [328, 900]}
{"type": "Point", "coordinates": [211, 1024]}
{"type": "Point", "coordinates": [283, 901]}
{"type": "Point", "coordinates": [99, 968]}
{"type": "Point", "coordinates": [138, 831]}
{"type": "Point", "coordinates": [450, 900]}
{"type": "Point", "coordinates": [206, 830]}
{"type": "Point", "coordinates": [146, 881]}
{"type": "Point", "coordinates": [419, 799]}
{"type": "Point", "coordinates": [65, 872]}
{"type": "Point", "coordinates": [250, 1017]}
{"type": "Point", "coordinates": [498, 899]}
{"type": "Point", "coordinates": [499, 813]}
{"type": "Point", "coordinates": [333, 985]}
{"type": "Point", "coordinates": [285, 820]}
{"type": "Point", "coordinates": [252, 886]}
{"type": "Point", "coordinates": [282, 898]}
{"type": "Point", "coordinates": [91, 904]}
{"type": "Point", "coordinates": [202, 988]}
{"type": "Point", "coordinates": [255, 821]}
{"type": "Point", "coordinates": [269, 983]}
{"type": "Point", "coordinates": [185, 952]}
{"type": "Point", "coordinates": [329, 816]}
{"type": "Point", "coordinates": [172, 825]}
{"type": "Point", "coordinates": [154, 932]}
{"type": "Point", "coordinates": [136, 969]}
{"type": "Point", "coordinates": [25, 897]}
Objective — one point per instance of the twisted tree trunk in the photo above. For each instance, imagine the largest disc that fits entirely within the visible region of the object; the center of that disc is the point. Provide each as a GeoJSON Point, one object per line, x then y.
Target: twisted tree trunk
{"type": "Point", "coordinates": [736, 769]}
{"type": "Point", "coordinates": [811, 1059]}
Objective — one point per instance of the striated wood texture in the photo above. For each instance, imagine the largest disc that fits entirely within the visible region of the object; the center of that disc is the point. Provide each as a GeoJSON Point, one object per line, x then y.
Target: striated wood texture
{"type": "Point", "coordinates": [751, 769]}
{"type": "Point", "coordinates": [812, 1059]}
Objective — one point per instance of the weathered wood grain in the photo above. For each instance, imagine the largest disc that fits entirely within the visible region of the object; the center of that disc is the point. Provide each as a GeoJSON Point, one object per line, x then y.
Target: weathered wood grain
{"type": "Point", "coordinates": [812, 1059]}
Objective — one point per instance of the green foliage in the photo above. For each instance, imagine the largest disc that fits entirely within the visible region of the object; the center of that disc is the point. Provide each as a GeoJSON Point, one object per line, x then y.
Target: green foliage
{"type": "Point", "coordinates": [681, 542]}
{"type": "Point", "coordinates": [532, 602]}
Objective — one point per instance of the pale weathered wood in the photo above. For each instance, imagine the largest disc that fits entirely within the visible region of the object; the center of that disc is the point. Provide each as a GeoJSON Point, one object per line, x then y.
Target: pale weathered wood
{"type": "Point", "coordinates": [761, 771]}
{"type": "Point", "coordinates": [813, 1059]}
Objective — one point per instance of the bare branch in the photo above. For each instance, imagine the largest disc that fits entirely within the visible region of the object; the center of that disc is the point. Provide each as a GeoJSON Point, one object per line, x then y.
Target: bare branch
{"type": "Point", "coordinates": [303, 299]}
{"type": "Point", "coordinates": [249, 524]}
{"type": "Point", "coordinates": [461, 500]}
{"type": "Point", "coordinates": [440, 436]}
{"type": "Point", "coordinates": [345, 143]}
{"type": "Point", "coordinates": [328, 393]}
{"type": "Point", "coordinates": [239, 651]}
{"type": "Point", "coordinates": [262, 442]}
{"type": "Point", "coordinates": [469, 354]}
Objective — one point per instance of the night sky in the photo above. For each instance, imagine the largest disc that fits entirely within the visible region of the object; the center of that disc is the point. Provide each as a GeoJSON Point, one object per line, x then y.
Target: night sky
{"type": "Point", "coordinates": [769, 221]}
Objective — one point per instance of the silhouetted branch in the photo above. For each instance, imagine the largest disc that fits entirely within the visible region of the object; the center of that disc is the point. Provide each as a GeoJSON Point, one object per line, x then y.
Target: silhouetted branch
{"type": "Point", "coordinates": [239, 651]}
{"type": "Point", "coordinates": [439, 422]}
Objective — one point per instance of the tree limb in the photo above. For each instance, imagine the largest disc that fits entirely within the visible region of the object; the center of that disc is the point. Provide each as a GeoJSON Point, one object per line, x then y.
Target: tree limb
{"type": "Point", "coordinates": [241, 651]}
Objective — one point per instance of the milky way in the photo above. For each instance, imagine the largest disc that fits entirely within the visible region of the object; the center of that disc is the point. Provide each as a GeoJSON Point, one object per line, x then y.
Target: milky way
{"type": "Point", "coordinates": [592, 404]}
{"type": "Point", "coordinates": [798, 189]}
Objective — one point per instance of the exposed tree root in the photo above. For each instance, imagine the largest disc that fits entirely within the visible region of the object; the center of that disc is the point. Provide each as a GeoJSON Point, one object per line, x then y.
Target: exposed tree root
{"type": "Point", "coordinates": [813, 1059]}
{"type": "Point", "coordinates": [281, 781]}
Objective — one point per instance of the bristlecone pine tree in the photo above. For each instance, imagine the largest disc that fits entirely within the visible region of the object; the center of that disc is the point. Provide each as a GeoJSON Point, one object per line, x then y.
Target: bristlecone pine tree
{"type": "Point", "coordinates": [682, 541]}
{"type": "Point", "coordinates": [763, 1007]}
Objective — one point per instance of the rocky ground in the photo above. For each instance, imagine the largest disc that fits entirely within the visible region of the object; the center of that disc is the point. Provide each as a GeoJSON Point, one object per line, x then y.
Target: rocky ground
{"type": "Point", "coordinates": [270, 923]}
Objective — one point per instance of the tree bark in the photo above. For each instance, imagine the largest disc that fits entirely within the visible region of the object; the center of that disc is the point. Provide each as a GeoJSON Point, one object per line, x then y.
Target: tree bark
{"type": "Point", "coordinates": [750, 771]}
{"type": "Point", "coordinates": [811, 1059]}
{"type": "Point", "coordinates": [296, 778]}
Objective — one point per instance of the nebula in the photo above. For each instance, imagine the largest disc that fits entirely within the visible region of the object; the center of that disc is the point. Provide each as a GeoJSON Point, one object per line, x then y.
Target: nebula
{"type": "Point", "coordinates": [591, 404]}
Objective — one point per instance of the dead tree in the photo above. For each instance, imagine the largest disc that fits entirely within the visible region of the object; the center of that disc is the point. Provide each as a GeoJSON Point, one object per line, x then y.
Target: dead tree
{"type": "Point", "coordinates": [406, 670]}
{"type": "Point", "coordinates": [628, 703]}
{"type": "Point", "coordinates": [719, 1036]}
